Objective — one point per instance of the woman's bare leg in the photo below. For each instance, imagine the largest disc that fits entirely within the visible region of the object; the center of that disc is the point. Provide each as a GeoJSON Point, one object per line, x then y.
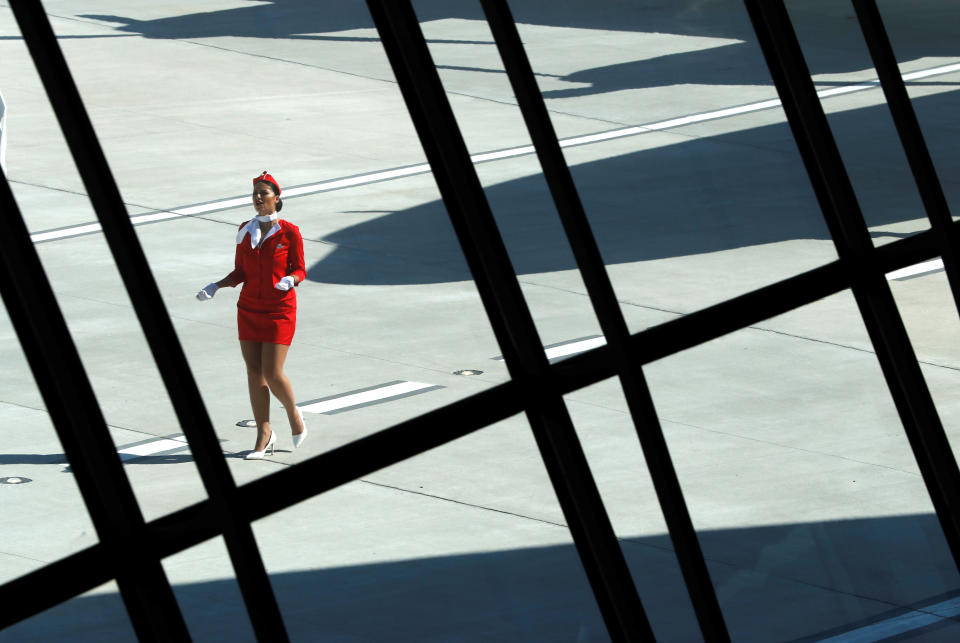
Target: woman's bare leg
{"type": "Point", "coordinates": [274, 356]}
{"type": "Point", "coordinates": [259, 393]}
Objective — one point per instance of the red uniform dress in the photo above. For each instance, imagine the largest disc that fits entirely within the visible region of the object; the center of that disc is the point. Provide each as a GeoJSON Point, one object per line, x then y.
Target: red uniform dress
{"type": "Point", "coordinates": [265, 314]}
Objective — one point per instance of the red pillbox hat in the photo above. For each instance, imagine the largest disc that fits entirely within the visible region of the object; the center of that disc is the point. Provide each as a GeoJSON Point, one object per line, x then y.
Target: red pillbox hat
{"type": "Point", "coordinates": [269, 179]}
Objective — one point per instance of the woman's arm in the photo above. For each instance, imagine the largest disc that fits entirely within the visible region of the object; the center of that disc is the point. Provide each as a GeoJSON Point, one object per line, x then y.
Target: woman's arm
{"type": "Point", "coordinates": [236, 275]}
{"type": "Point", "coordinates": [297, 267]}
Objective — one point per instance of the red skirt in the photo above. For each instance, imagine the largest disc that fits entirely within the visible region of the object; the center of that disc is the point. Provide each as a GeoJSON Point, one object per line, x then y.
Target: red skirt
{"type": "Point", "coordinates": [274, 324]}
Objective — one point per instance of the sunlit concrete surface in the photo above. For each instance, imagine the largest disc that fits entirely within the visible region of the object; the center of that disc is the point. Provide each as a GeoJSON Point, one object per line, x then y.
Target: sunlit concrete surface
{"type": "Point", "coordinates": [811, 513]}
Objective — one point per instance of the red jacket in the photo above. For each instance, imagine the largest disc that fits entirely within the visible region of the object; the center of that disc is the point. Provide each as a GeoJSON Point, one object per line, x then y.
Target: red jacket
{"type": "Point", "coordinates": [260, 268]}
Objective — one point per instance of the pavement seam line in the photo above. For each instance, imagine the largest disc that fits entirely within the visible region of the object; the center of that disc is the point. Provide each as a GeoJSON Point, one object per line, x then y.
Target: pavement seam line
{"type": "Point", "coordinates": [664, 419]}
{"type": "Point", "coordinates": [30, 558]}
{"type": "Point", "coordinates": [461, 503]}
{"type": "Point", "coordinates": [634, 541]}
{"type": "Point", "coordinates": [495, 155]}
{"type": "Point", "coordinates": [741, 566]}
{"type": "Point", "coordinates": [790, 447]}
{"type": "Point", "coordinates": [761, 329]}
{"type": "Point", "coordinates": [791, 579]}
{"type": "Point", "coordinates": [387, 81]}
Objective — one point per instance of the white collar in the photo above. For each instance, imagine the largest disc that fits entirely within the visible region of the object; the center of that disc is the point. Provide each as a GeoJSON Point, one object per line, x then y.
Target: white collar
{"type": "Point", "coordinates": [253, 229]}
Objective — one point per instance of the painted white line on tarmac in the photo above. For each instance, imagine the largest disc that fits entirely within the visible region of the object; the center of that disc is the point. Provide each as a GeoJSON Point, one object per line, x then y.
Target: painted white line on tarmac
{"type": "Point", "coordinates": [523, 150]}
{"type": "Point", "coordinates": [553, 352]}
{"type": "Point", "coordinates": [366, 397]}
{"type": "Point", "coordinates": [64, 233]}
{"type": "Point", "coordinates": [900, 624]}
{"type": "Point", "coordinates": [743, 109]}
{"type": "Point", "coordinates": [922, 268]}
{"type": "Point", "coordinates": [151, 448]}
{"type": "Point", "coordinates": [190, 210]}
{"type": "Point", "coordinates": [571, 347]}
{"type": "Point", "coordinates": [933, 71]}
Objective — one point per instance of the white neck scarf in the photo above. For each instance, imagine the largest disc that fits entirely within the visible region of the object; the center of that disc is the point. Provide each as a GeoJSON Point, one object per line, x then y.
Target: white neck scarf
{"type": "Point", "coordinates": [266, 218]}
{"type": "Point", "coordinates": [253, 229]}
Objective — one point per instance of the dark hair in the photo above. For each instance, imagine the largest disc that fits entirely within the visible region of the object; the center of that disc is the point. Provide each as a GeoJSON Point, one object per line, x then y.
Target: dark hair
{"type": "Point", "coordinates": [274, 189]}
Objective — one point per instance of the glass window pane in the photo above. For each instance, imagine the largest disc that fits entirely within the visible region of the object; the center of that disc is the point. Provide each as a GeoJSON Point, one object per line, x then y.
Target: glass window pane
{"type": "Point", "coordinates": [799, 477]}
{"type": "Point", "coordinates": [465, 540]}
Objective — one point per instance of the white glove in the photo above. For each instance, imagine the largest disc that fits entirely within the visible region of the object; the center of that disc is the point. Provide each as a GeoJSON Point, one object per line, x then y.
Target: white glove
{"type": "Point", "coordinates": [285, 284]}
{"type": "Point", "coordinates": [208, 292]}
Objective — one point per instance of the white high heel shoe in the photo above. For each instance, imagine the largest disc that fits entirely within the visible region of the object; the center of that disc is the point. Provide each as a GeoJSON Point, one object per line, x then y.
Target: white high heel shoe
{"type": "Point", "coordinates": [300, 437]}
{"type": "Point", "coordinates": [271, 444]}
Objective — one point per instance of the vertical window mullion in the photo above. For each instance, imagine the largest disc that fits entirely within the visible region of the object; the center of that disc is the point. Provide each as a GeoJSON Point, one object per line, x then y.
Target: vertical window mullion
{"type": "Point", "coordinates": [851, 237]}
{"type": "Point", "coordinates": [911, 137]}
{"type": "Point", "coordinates": [603, 298]}
{"type": "Point", "coordinates": [82, 430]}
{"type": "Point", "coordinates": [510, 318]}
{"type": "Point", "coordinates": [147, 302]}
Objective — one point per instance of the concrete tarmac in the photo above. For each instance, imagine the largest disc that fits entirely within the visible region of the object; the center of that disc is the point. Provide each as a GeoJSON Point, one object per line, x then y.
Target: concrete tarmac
{"type": "Point", "coordinates": [807, 499]}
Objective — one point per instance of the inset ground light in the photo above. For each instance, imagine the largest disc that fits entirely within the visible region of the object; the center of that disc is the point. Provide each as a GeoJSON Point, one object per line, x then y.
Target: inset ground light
{"type": "Point", "coordinates": [15, 480]}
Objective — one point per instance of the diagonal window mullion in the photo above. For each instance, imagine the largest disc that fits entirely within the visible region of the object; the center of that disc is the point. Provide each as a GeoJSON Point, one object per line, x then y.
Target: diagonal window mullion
{"type": "Point", "coordinates": [82, 429]}
{"type": "Point", "coordinates": [595, 365]}
{"type": "Point", "coordinates": [41, 589]}
{"type": "Point", "coordinates": [440, 426]}
{"type": "Point", "coordinates": [512, 323]}
{"type": "Point", "coordinates": [151, 312]}
{"type": "Point", "coordinates": [34, 592]}
{"type": "Point", "coordinates": [184, 528]}
{"type": "Point", "coordinates": [911, 137]}
{"type": "Point", "coordinates": [481, 245]}
{"type": "Point", "coordinates": [610, 317]}
{"type": "Point", "coordinates": [61, 580]}
{"type": "Point", "coordinates": [841, 211]}
{"type": "Point", "coordinates": [707, 324]}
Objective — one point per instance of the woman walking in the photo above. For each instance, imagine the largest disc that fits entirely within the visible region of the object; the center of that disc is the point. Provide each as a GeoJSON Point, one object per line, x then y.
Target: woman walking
{"type": "Point", "coordinates": [269, 264]}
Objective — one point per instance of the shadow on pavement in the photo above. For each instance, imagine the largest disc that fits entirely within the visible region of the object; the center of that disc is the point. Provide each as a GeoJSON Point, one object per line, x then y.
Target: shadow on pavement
{"type": "Point", "coordinates": [827, 29]}
{"type": "Point", "coordinates": [707, 195]}
{"type": "Point", "coordinates": [774, 583]}
{"type": "Point", "coordinates": [7, 459]}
